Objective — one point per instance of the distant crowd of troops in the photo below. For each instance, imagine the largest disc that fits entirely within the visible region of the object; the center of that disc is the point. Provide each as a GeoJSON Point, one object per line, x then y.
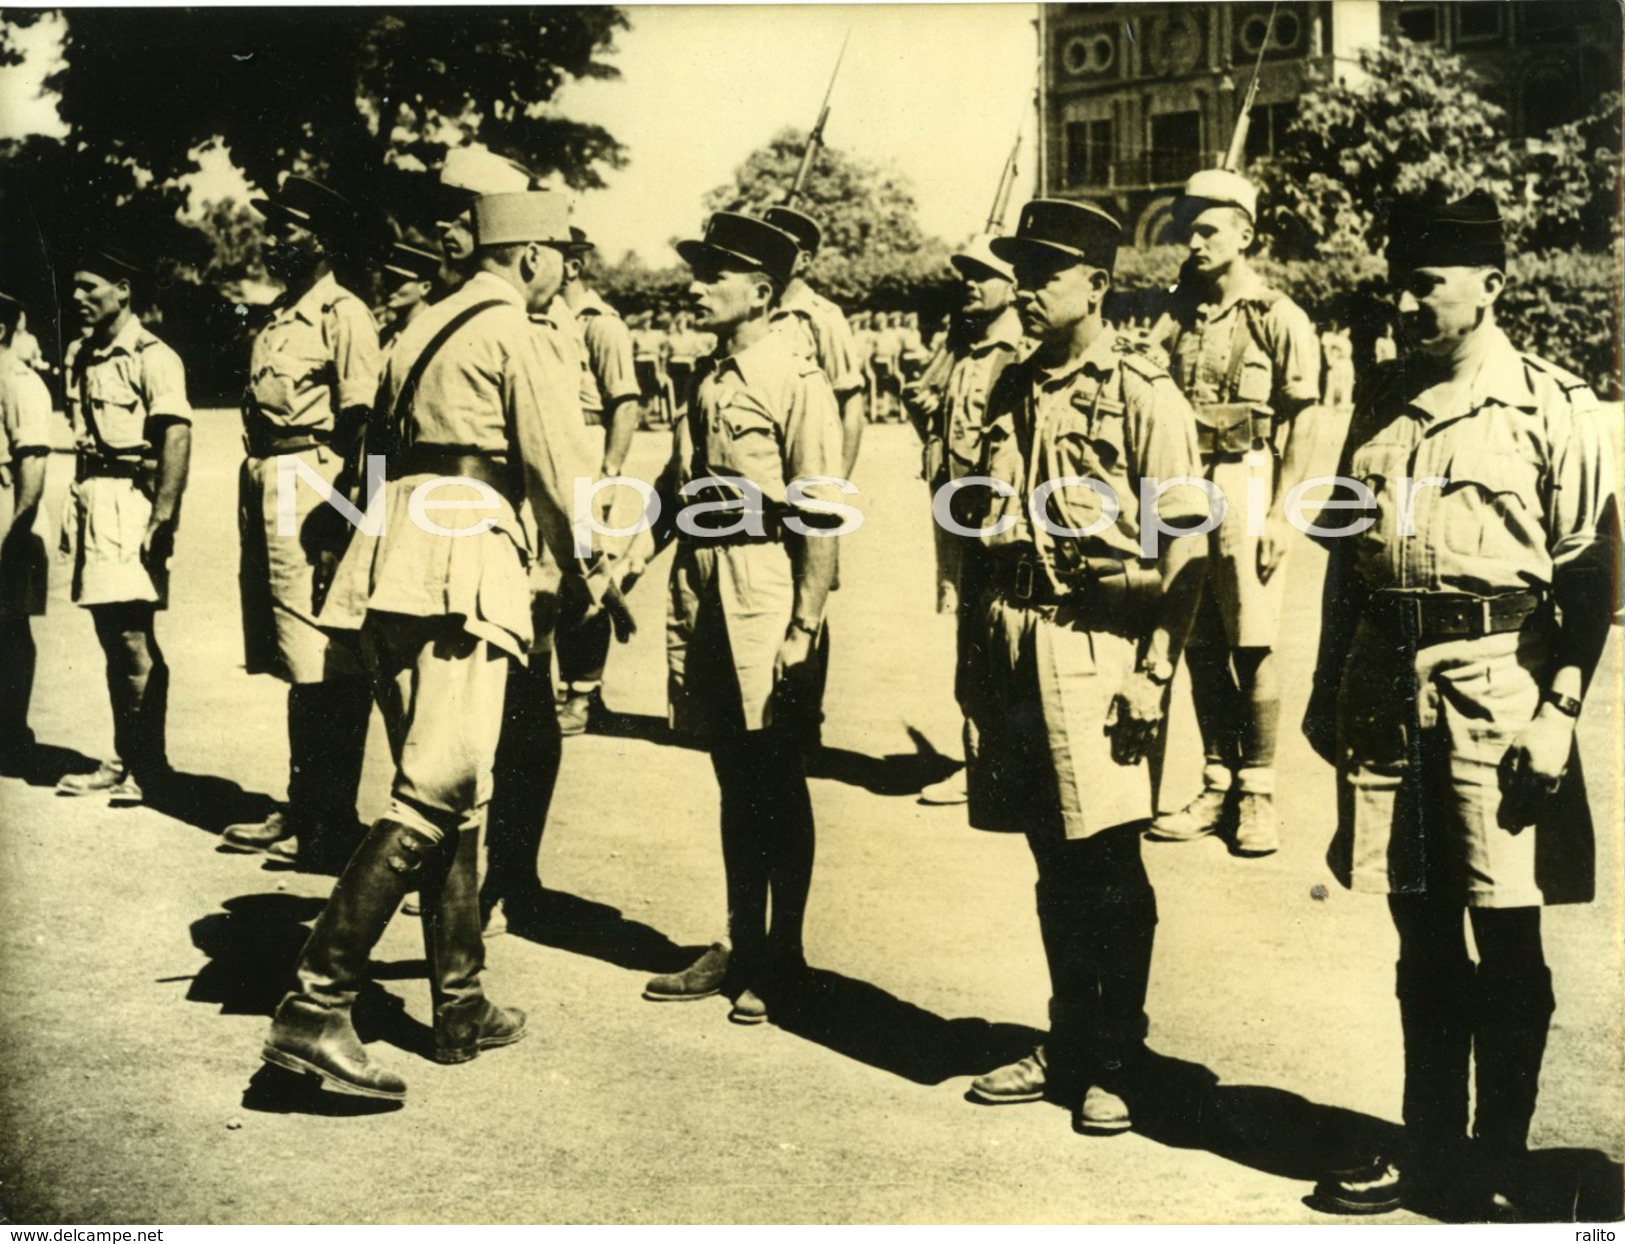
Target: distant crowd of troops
{"type": "Point", "coordinates": [1074, 472]}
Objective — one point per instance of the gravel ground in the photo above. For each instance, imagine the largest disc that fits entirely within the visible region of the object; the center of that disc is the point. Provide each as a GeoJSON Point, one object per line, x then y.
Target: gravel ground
{"type": "Point", "coordinates": [138, 964]}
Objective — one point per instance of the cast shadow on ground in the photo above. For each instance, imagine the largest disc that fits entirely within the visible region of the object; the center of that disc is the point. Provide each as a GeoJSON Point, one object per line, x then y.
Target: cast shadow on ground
{"type": "Point", "coordinates": [45, 764]}
{"type": "Point", "coordinates": [599, 931]}
{"type": "Point", "coordinates": [208, 803]}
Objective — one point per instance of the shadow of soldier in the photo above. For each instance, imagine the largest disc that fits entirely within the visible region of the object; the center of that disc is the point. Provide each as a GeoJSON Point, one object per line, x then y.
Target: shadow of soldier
{"type": "Point", "coordinates": [206, 802]}
{"type": "Point", "coordinates": [583, 926]}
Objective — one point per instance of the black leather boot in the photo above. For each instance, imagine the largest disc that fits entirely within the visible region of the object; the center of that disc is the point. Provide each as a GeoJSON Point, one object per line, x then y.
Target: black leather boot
{"type": "Point", "coordinates": [465, 1021]}
{"type": "Point", "coordinates": [312, 1031]}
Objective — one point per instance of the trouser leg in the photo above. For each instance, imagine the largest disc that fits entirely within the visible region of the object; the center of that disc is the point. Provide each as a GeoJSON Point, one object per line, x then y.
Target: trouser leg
{"type": "Point", "coordinates": [582, 641]}
{"type": "Point", "coordinates": [1510, 1026]}
{"type": "Point", "coordinates": [526, 772]}
{"type": "Point", "coordinates": [327, 745]}
{"type": "Point", "coordinates": [1434, 984]}
{"type": "Point", "coordinates": [18, 657]}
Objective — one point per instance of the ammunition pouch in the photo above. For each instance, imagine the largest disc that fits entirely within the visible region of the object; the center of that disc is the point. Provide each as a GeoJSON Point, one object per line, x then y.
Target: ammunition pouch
{"type": "Point", "coordinates": [1228, 429]}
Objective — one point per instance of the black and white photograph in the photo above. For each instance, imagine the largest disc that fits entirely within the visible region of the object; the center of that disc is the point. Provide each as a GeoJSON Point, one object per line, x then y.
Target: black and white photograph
{"type": "Point", "coordinates": [811, 614]}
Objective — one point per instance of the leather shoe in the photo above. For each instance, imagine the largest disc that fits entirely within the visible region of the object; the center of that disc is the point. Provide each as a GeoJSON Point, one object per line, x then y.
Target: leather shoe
{"type": "Point", "coordinates": [1103, 1113]}
{"type": "Point", "coordinates": [1209, 813]}
{"type": "Point", "coordinates": [1026, 1079]}
{"type": "Point", "coordinates": [701, 979]}
{"type": "Point", "coordinates": [1258, 829]}
{"type": "Point", "coordinates": [463, 1029]}
{"type": "Point", "coordinates": [951, 790]}
{"type": "Point", "coordinates": [748, 1008]}
{"type": "Point", "coordinates": [126, 794]}
{"type": "Point", "coordinates": [254, 837]}
{"type": "Point", "coordinates": [107, 775]}
{"type": "Point", "coordinates": [1376, 1187]}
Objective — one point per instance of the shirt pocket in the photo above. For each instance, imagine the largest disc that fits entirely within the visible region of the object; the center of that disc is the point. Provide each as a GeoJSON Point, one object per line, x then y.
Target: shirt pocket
{"type": "Point", "coordinates": [1489, 508]}
{"type": "Point", "coordinates": [1255, 381]}
{"type": "Point", "coordinates": [285, 372]}
{"type": "Point", "coordinates": [117, 411]}
{"type": "Point", "coordinates": [745, 441]}
{"type": "Point", "coordinates": [1089, 448]}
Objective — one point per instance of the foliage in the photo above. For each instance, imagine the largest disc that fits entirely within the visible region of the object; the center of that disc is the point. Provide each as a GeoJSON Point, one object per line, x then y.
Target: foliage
{"type": "Point", "coordinates": [1564, 306]}
{"type": "Point", "coordinates": [874, 252]}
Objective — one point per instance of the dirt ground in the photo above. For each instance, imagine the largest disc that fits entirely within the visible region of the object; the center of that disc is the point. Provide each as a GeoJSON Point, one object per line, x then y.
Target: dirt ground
{"type": "Point", "coordinates": [138, 965]}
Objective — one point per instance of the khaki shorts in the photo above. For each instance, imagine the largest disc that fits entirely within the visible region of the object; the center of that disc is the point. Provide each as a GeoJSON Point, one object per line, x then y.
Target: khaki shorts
{"type": "Point", "coordinates": [1249, 609]}
{"type": "Point", "coordinates": [102, 530]}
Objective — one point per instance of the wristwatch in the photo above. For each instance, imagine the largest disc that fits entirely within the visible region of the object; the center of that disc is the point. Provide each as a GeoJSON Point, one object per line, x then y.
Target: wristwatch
{"type": "Point", "coordinates": [796, 624]}
{"type": "Point", "coordinates": [1565, 704]}
{"type": "Point", "coordinates": [1159, 672]}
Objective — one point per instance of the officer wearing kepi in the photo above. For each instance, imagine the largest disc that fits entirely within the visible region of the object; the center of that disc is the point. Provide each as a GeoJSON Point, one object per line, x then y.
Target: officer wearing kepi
{"type": "Point", "coordinates": [476, 406]}
{"type": "Point", "coordinates": [1073, 639]}
{"type": "Point", "coordinates": [132, 426]}
{"type": "Point", "coordinates": [747, 603]}
{"type": "Point", "coordinates": [25, 443]}
{"type": "Point", "coordinates": [1248, 359]}
{"type": "Point", "coordinates": [312, 378]}
{"type": "Point", "coordinates": [410, 273]}
{"type": "Point", "coordinates": [1465, 612]}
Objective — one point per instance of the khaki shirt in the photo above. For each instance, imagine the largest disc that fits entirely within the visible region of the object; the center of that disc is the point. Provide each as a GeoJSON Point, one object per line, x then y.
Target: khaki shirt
{"type": "Point", "coordinates": [608, 344]}
{"type": "Point", "coordinates": [25, 409]}
{"type": "Point", "coordinates": [504, 388]}
{"type": "Point", "coordinates": [1111, 415]}
{"type": "Point", "coordinates": [818, 329]}
{"type": "Point", "coordinates": [116, 391]}
{"type": "Point", "coordinates": [318, 356]}
{"type": "Point", "coordinates": [1522, 476]}
{"type": "Point", "coordinates": [971, 373]}
{"type": "Point", "coordinates": [1281, 361]}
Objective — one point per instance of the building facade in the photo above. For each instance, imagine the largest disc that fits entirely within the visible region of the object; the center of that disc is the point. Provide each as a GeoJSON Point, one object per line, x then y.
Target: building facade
{"type": "Point", "coordinates": [1137, 96]}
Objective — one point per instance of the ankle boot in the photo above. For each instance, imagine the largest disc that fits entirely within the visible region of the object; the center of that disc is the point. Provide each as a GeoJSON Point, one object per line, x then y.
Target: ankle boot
{"type": "Point", "coordinates": [1212, 811]}
{"type": "Point", "coordinates": [465, 1021]}
{"type": "Point", "coordinates": [312, 1031]}
{"type": "Point", "coordinates": [1510, 1025]}
{"type": "Point", "coordinates": [1258, 828]}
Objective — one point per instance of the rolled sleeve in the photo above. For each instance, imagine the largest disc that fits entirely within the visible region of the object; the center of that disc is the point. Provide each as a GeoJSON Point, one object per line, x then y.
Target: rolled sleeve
{"type": "Point", "coordinates": [1581, 506]}
{"type": "Point", "coordinates": [609, 348]}
{"type": "Point", "coordinates": [163, 380]}
{"type": "Point", "coordinates": [838, 352]}
{"type": "Point", "coordinates": [812, 434]}
{"type": "Point", "coordinates": [1295, 348]}
{"type": "Point", "coordinates": [29, 428]}
{"type": "Point", "coordinates": [357, 359]}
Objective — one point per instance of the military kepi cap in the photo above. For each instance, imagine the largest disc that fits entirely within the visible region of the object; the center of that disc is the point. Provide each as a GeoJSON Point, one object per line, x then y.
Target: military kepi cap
{"type": "Point", "coordinates": [734, 238]}
{"type": "Point", "coordinates": [110, 263]}
{"type": "Point", "coordinates": [1080, 230]}
{"type": "Point", "coordinates": [1466, 233]}
{"type": "Point", "coordinates": [475, 170]}
{"type": "Point", "coordinates": [807, 232]}
{"type": "Point", "coordinates": [977, 260]}
{"type": "Point", "coordinates": [1218, 187]}
{"type": "Point", "coordinates": [412, 263]}
{"type": "Point", "coordinates": [579, 243]}
{"type": "Point", "coordinates": [521, 216]}
{"type": "Point", "coordinates": [310, 205]}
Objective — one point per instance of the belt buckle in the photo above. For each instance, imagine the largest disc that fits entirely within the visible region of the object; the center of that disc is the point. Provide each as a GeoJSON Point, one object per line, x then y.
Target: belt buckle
{"type": "Point", "coordinates": [1486, 616]}
{"type": "Point", "coordinates": [1024, 580]}
{"type": "Point", "coordinates": [1418, 614]}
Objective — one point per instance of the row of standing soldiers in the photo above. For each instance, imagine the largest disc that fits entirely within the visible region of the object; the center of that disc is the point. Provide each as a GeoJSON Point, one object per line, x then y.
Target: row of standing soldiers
{"type": "Point", "coordinates": [1104, 511]}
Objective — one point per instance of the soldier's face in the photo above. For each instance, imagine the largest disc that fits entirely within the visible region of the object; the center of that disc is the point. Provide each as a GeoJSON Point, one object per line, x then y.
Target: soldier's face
{"type": "Point", "coordinates": [1054, 293]}
{"type": "Point", "coordinates": [290, 250]}
{"type": "Point", "coordinates": [985, 292]}
{"type": "Point", "coordinates": [97, 299]}
{"type": "Point", "coordinates": [1440, 306]}
{"type": "Point", "coordinates": [457, 237]}
{"type": "Point", "coordinates": [406, 295]}
{"type": "Point", "coordinates": [1218, 237]}
{"type": "Point", "coordinates": [722, 298]}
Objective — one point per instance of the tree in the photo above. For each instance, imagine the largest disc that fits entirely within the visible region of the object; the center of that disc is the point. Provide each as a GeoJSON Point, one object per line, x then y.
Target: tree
{"type": "Point", "coordinates": [874, 251]}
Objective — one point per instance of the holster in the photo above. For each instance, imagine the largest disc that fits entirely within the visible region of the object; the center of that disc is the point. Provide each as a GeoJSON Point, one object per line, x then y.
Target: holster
{"type": "Point", "coordinates": [1228, 429]}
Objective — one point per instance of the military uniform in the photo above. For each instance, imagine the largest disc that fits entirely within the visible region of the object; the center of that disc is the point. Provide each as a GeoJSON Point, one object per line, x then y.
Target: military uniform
{"type": "Point", "coordinates": [1249, 362]}
{"type": "Point", "coordinates": [122, 396]}
{"type": "Point", "coordinates": [313, 367]}
{"type": "Point", "coordinates": [1057, 637]}
{"type": "Point", "coordinates": [1485, 574]}
{"type": "Point", "coordinates": [477, 395]}
{"type": "Point", "coordinates": [25, 432]}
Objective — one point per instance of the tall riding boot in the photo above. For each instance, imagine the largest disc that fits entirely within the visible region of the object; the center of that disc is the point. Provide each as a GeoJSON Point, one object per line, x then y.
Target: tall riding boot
{"type": "Point", "coordinates": [1512, 1019]}
{"type": "Point", "coordinates": [312, 1031]}
{"type": "Point", "coordinates": [465, 1021]}
{"type": "Point", "coordinates": [1435, 1015]}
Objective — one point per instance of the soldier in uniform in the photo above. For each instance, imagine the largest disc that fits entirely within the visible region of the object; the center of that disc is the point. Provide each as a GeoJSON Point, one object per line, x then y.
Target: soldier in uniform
{"type": "Point", "coordinates": [1247, 358]}
{"type": "Point", "coordinates": [410, 273]}
{"type": "Point", "coordinates": [25, 440]}
{"type": "Point", "coordinates": [649, 349]}
{"type": "Point", "coordinates": [313, 374]}
{"type": "Point", "coordinates": [467, 173]}
{"type": "Point", "coordinates": [1077, 623]}
{"type": "Point", "coordinates": [1464, 616]}
{"type": "Point", "coordinates": [747, 603]}
{"type": "Point", "coordinates": [609, 400]}
{"type": "Point", "coordinates": [132, 427]}
{"type": "Point", "coordinates": [474, 392]}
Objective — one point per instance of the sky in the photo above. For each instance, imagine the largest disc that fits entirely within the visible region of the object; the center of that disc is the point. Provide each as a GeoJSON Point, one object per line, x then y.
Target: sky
{"type": "Point", "coordinates": [935, 90]}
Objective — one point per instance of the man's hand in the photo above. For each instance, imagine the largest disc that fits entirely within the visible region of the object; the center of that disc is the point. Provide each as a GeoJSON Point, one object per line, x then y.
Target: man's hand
{"type": "Point", "coordinates": [1320, 722]}
{"type": "Point", "coordinates": [792, 663]}
{"type": "Point", "coordinates": [1272, 544]}
{"type": "Point", "coordinates": [620, 616]}
{"type": "Point", "coordinates": [1133, 719]}
{"type": "Point", "coordinates": [158, 544]}
{"type": "Point", "coordinates": [1532, 769]}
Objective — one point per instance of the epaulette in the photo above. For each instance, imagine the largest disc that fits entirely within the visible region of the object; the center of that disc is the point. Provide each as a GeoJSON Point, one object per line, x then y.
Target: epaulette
{"type": "Point", "coordinates": [1565, 380]}
{"type": "Point", "coordinates": [1132, 358]}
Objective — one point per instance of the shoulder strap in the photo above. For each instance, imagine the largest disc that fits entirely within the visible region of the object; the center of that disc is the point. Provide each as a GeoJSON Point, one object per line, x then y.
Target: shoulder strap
{"type": "Point", "coordinates": [1248, 320]}
{"type": "Point", "coordinates": [396, 428]}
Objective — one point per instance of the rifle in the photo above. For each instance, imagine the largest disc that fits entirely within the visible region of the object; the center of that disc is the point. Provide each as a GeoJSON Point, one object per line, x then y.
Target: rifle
{"type": "Point", "coordinates": [1007, 180]}
{"type": "Point", "coordinates": [1237, 155]}
{"type": "Point", "coordinates": [815, 140]}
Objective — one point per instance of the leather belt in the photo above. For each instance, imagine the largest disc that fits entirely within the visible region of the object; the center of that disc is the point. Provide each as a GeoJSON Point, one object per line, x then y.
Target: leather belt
{"type": "Point", "coordinates": [462, 461]}
{"type": "Point", "coordinates": [87, 467]}
{"type": "Point", "coordinates": [262, 439]}
{"type": "Point", "coordinates": [1434, 616]}
{"type": "Point", "coordinates": [725, 523]}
